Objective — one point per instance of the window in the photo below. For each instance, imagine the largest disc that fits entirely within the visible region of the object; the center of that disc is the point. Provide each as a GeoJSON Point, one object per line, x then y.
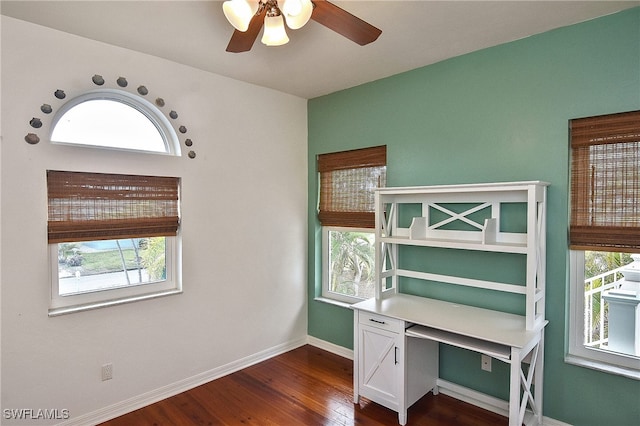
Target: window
{"type": "Point", "coordinates": [93, 274]}
{"type": "Point", "coordinates": [349, 263]}
{"type": "Point", "coordinates": [604, 323]}
{"type": "Point", "coordinates": [114, 119]}
{"type": "Point", "coordinates": [347, 214]}
{"type": "Point", "coordinates": [112, 238]}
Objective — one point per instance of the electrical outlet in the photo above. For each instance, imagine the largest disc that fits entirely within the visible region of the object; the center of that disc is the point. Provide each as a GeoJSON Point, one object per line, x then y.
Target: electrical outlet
{"type": "Point", "coordinates": [486, 362]}
{"type": "Point", "coordinates": [107, 372]}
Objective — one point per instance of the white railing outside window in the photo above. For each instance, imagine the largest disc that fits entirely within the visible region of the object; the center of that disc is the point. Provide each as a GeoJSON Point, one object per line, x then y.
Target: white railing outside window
{"type": "Point", "coordinates": [596, 324]}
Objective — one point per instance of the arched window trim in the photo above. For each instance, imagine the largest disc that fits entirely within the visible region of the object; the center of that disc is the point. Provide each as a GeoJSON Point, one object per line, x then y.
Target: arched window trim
{"type": "Point", "coordinates": [150, 111]}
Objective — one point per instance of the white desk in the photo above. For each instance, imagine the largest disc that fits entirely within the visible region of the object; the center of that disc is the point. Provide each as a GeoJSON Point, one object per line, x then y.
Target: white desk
{"type": "Point", "coordinates": [388, 335]}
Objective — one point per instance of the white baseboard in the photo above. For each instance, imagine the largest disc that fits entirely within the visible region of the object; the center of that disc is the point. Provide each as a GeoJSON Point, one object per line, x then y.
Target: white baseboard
{"type": "Point", "coordinates": [139, 401]}
{"type": "Point", "coordinates": [472, 397]}
{"type": "Point", "coordinates": [330, 347]}
{"type": "Point", "coordinates": [547, 421]}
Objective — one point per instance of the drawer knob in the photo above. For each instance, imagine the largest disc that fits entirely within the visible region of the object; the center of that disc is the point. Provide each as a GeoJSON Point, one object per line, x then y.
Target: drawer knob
{"type": "Point", "coordinates": [375, 320]}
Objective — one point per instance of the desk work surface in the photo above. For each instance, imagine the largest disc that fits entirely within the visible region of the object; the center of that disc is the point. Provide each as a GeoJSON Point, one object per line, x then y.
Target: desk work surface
{"type": "Point", "coordinates": [484, 324]}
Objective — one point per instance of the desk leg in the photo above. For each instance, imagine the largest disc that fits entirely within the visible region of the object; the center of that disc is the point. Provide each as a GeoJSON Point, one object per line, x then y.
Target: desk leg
{"type": "Point", "coordinates": [538, 378]}
{"type": "Point", "coordinates": [514, 387]}
{"type": "Point", "coordinates": [520, 392]}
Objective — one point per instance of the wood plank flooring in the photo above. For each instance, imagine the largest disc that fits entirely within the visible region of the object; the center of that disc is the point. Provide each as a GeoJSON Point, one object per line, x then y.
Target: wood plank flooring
{"type": "Point", "coordinates": [306, 386]}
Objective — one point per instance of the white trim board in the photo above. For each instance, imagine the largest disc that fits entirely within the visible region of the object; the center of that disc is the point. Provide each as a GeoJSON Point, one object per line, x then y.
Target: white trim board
{"type": "Point", "coordinates": [330, 347]}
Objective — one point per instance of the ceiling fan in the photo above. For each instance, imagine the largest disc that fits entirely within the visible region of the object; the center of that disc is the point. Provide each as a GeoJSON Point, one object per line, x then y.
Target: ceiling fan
{"type": "Point", "coordinates": [249, 16]}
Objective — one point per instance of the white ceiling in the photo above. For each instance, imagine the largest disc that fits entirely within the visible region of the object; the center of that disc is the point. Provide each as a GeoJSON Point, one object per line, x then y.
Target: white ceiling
{"type": "Point", "coordinates": [316, 61]}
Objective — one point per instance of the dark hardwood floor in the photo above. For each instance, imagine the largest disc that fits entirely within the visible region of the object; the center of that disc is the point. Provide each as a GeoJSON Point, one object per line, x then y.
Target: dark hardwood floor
{"type": "Point", "coordinates": [306, 386]}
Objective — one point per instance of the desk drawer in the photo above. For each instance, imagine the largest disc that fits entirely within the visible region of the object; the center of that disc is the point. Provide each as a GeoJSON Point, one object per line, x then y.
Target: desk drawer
{"type": "Point", "coordinates": [380, 321]}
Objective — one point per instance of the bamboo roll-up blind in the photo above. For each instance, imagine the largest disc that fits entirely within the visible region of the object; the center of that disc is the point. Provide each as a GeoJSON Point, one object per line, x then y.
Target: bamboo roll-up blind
{"type": "Point", "coordinates": [347, 181]}
{"type": "Point", "coordinates": [605, 182]}
{"type": "Point", "coordinates": [97, 206]}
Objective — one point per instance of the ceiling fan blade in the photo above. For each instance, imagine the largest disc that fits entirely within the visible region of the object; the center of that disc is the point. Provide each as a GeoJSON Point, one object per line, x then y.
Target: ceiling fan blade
{"type": "Point", "coordinates": [243, 41]}
{"type": "Point", "coordinates": [344, 23]}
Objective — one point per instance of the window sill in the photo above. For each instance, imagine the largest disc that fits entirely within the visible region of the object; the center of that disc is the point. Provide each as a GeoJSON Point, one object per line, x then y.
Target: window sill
{"type": "Point", "coordinates": [334, 302]}
{"type": "Point", "coordinates": [54, 312]}
{"type": "Point", "coordinates": [603, 366]}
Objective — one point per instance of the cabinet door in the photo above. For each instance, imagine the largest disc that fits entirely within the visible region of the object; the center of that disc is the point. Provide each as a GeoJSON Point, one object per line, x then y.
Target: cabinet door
{"type": "Point", "coordinates": [380, 365]}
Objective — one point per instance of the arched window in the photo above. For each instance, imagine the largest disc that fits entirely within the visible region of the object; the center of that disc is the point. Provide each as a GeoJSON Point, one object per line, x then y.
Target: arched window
{"type": "Point", "coordinates": [114, 119]}
{"type": "Point", "coordinates": [113, 238]}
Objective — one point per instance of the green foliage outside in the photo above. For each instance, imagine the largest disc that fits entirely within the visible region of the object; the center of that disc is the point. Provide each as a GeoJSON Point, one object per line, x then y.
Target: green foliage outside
{"type": "Point", "coordinates": [352, 263]}
{"type": "Point", "coordinates": [97, 262]}
{"type": "Point", "coordinates": [108, 261]}
{"type": "Point", "coordinates": [599, 262]}
{"type": "Point", "coordinates": [153, 258]}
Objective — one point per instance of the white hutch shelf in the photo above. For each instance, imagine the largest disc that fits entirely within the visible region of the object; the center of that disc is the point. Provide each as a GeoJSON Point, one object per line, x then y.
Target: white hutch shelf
{"type": "Point", "coordinates": [396, 335]}
{"type": "Point", "coordinates": [485, 236]}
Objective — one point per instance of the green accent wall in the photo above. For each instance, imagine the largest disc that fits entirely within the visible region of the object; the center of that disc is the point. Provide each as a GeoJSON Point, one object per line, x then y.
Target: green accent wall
{"type": "Point", "coordinates": [499, 114]}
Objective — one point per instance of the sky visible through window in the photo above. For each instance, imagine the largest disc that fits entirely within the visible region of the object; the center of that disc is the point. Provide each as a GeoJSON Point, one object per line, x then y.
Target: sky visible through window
{"type": "Point", "coordinates": [108, 123]}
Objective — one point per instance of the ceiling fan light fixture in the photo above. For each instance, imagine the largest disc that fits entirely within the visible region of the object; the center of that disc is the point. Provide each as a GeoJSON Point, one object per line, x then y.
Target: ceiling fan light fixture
{"type": "Point", "coordinates": [274, 33]}
{"type": "Point", "coordinates": [272, 14]}
{"type": "Point", "coordinates": [239, 13]}
{"type": "Point", "coordinates": [290, 7]}
{"type": "Point", "coordinates": [298, 14]}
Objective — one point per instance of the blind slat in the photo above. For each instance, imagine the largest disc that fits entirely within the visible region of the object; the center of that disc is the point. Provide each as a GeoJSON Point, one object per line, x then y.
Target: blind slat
{"type": "Point", "coordinates": [347, 181]}
{"type": "Point", "coordinates": [356, 158]}
{"type": "Point", "coordinates": [605, 186]}
{"type": "Point", "coordinates": [603, 129]}
{"type": "Point", "coordinates": [347, 219]}
{"type": "Point", "coordinates": [96, 206]}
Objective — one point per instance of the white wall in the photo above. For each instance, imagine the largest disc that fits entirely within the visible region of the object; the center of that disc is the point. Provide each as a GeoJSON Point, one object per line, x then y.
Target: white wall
{"type": "Point", "coordinates": [244, 230]}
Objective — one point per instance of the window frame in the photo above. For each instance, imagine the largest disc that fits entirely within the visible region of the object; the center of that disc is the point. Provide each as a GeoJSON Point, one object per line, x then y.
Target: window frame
{"type": "Point", "coordinates": [326, 293]}
{"type": "Point", "coordinates": [146, 108]}
{"type": "Point", "coordinates": [579, 354]}
{"type": "Point", "coordinates": [60, 305]}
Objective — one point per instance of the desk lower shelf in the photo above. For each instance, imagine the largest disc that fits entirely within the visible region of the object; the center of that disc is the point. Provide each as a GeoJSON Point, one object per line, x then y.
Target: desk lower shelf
{"type": "Point", "coordinates": [495, 350]}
